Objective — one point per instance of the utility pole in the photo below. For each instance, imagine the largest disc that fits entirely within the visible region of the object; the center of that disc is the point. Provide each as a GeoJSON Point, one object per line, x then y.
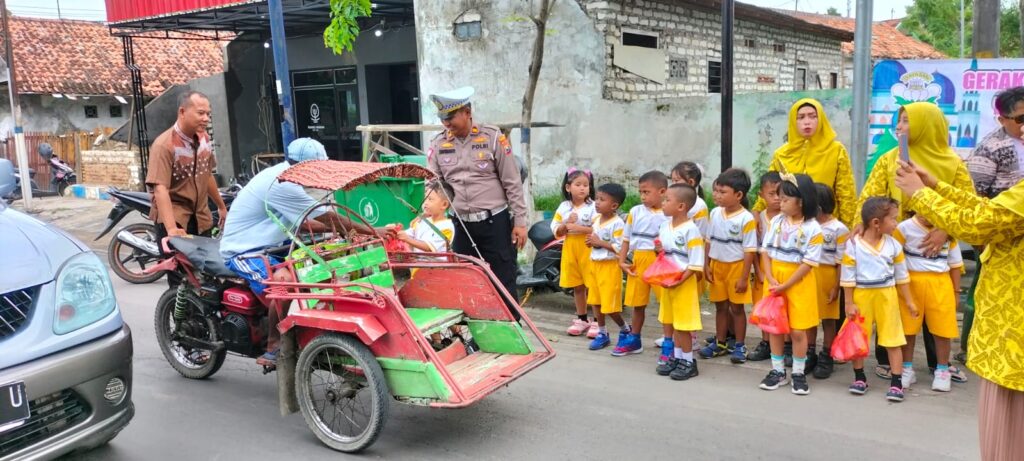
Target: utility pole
{"type": "Point", "coordinates": [58, 10]}
{"type": "Point", "coordinates": [861, 93]}
{"type": "Point", "coordinates": [962, 31]}
{"type": "Point", "coordinates": [284, 79]}
{"type": "Point", "coordinates": [19, 133]}
{"type": "Point", "coordinates": [728, 18]}
{"type": "Point", "coordinates": [985, 40]}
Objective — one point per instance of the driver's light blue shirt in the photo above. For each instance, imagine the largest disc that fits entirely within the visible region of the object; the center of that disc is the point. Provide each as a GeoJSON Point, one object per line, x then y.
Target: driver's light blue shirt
{"type": "Point", "coordinates": [248, 228]}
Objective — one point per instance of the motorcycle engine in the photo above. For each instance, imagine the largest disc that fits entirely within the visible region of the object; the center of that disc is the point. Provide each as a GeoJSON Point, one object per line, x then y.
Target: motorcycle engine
{"type": "Point", "coordinates": [235, 329]}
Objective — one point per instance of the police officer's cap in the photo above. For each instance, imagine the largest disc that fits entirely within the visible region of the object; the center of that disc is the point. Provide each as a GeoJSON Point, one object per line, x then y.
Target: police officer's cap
{"type": "Point", "coordinates": [305, 149]}
{"type": "Point", "coordinates": [451, 101]}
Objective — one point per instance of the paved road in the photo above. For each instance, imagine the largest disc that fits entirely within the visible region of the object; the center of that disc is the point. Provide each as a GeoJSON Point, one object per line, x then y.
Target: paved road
{"type": "Point", "coordinates": [582, 405]}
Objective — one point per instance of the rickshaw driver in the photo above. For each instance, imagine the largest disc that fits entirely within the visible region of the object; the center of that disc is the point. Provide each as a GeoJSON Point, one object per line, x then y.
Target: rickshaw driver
{"type": "Point", "coordinates": [249, 230]}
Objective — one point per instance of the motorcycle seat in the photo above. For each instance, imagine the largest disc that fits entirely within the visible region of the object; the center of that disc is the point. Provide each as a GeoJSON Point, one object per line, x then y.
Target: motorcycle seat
{"type": "Point", "coordinates": [203, 253]}
{"type": "Point", "coordinates": [142, 196]}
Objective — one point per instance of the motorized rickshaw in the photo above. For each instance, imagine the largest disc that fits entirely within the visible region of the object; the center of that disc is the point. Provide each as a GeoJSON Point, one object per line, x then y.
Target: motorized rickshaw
{"type": "Point", "coordinates": [360, 331]}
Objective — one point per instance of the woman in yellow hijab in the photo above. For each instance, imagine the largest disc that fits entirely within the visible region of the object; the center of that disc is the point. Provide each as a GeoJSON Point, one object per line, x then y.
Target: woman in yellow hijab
{"type": "Point", "coordinates": [812, 149]}
{"type": "Point", "coordinates": [928, 142]}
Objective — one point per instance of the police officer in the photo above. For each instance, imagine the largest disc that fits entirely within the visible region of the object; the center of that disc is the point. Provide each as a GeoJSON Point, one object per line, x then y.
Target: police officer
{"type": "Point", "coordinates": [477, 164]}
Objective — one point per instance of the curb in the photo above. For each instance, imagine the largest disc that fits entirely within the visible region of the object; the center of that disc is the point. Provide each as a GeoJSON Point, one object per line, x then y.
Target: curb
{"type": "Point", "coordinates": [88, 192]}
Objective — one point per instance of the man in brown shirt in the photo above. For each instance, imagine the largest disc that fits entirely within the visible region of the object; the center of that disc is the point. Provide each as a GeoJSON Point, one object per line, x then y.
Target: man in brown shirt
{"type": "Point", "coordinates": [476, 162]}
{"type": "Point", "coordinates": [180, 175]}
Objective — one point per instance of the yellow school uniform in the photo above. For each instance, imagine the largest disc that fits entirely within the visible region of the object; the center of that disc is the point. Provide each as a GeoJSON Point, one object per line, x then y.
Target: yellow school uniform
{"type": "Point", "coordinates": [997, 337]}
{"type": "Point", "coordinates": [680, 305]}
{"type": "Point", "coordinates": [873, 273]}
{"type": "Point", "coordinates": [642, 225]}
{"type": "Point", "coordinates": [788, 245]}
{"type": "Point", "coordinates": [834, 234]}
{"type": "Point", "coordinates": [420, 230]}
{"type": "Point", "coordinates": [605, 282]}
{"type": "Point", "coordinates": [757, 284]}
{"type": "Point", "coordinates": [575, 252]}
{"type": "Point", "coordinates": [930, 282]}
{"type": "Point", "coordinates": [731, 238]}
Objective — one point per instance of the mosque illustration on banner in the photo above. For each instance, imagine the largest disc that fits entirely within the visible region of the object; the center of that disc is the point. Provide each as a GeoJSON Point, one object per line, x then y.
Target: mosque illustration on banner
{"type": "Point", "coordinates": [893, 86]}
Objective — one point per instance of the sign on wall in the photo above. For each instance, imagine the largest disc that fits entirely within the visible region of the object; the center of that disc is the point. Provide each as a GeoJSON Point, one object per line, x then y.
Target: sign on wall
{"type": "Point", "coordinates": [963, 88]}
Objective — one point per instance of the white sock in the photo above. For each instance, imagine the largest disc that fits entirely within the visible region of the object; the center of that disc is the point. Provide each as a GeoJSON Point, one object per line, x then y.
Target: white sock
{"type": "Point", "coordinates": [798, 365]}
{"type": "Point", "coordinates": [678, 353]}
{"type": "Point", "coordinates": [688, 356]}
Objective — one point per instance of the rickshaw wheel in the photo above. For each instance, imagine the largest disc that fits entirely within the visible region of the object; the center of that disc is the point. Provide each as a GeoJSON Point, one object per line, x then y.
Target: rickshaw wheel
{"type": "Point", "coordinates": [342, 392]}
{"type": "Point", "coordinates": [189, 362]}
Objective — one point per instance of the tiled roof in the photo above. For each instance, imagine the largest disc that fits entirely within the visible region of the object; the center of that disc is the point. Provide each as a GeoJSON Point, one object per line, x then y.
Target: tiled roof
{"type": "Point", "coordinates": [81, 57]}
{"type": "Point", "coordinates": [886, 41]}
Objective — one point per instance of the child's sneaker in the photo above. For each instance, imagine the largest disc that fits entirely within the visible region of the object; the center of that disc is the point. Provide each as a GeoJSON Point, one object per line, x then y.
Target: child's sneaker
{"type": "Point", "coordinates": [774, 379]}
{"type": "Point", "coordinates": [687, 369]}
{"type": "Point", "coordinates": [578, 327]}
{"type": "Point", "coordinates": [895, 394]}
{"type": "Point", "coordinates": [666, 368]}
{"type": "Point", "coordinates": [908, 377]}
{"type": "Point", "coordinates": [812, 361]}
{"type": "Point", "coordinates": [825, 366]}
{"type": "Point", "coordinates": [957, 375]}
{"type": "Point", "coordinates": [859, 387]}
{"type": "Point", "coordinates": [631, 345]}
{"type": "Point", "coordinates": [657, 342]}
{"type": "Point", "coordinates": [713, 350]}
{"type": "Point", "coordinates": [593, 330]}
{"type": "Point", "coordinates": [601, 341]}
{"type": "Point", "coordinates": [942, 381]}
{"type": "Point", "coordinates": [666, 351]}
{"type": "Point", "coordinates": [738, 354]}
{"type": "Point", "coordinates": [762, 352]}
{"type": "Point", "coordinates": [799, 384]}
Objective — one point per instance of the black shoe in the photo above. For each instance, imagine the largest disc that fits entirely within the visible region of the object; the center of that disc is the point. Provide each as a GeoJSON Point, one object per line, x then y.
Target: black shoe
{"type": "Point", "coordinates": [787, 352]}
{"type": "Point", "coordinates": [773, 380]}
{"type": "Point", "coordinates": [812, 362]}
{"type": "Point", "coordinates": [710, 340]}
{"type": "Point", "coordinates": [762, 352]}
{"type": "Point", "coordinates": [825, 366]}
{"type": "Point", "coordinates": [800, 384]}
{"type": "Point", "coordinates": [668, 367]}
{"type": "Point", "coordinates": [687, 369]}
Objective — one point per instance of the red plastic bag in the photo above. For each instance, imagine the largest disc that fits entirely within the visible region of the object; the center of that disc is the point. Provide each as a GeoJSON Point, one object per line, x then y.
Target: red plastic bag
{"type": "Point", "coordinates": [772, 314]}
{"type": "Point", "coordinates": [394, 245]}
{"type": "Point", "coordinates": [663, 272]}
{"type": "Point", "coordinates": [852, 341]}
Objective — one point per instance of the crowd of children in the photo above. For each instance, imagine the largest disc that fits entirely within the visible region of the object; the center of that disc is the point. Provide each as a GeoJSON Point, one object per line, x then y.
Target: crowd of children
{"type": "Point", "coordinates": [795, 247]}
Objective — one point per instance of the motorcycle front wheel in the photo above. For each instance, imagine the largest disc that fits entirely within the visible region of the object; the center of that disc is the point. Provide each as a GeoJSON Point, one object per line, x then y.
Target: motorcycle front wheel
{"type": "Point", "coordinates": [64, 185]}
{"type": "Point", "coordinates": [342, 392]}
{"type": "Point", "coordinates": [130, 263]}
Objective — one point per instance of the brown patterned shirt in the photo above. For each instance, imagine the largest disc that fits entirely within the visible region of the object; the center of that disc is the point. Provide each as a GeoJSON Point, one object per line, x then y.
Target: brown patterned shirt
{"type": "Point", "coordinates": [184, 166]}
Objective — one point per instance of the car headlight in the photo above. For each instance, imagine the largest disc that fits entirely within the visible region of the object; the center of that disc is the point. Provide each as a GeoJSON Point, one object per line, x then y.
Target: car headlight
{"type": "Point", "coordinates": [84, 293]}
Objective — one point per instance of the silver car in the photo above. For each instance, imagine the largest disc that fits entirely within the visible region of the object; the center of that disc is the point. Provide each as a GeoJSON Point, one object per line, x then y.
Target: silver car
{"type": "Point", "coordinates": [65, 352]}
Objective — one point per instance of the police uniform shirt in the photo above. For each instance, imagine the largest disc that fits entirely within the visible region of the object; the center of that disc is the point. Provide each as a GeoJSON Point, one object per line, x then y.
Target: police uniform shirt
{"type": "Point", "coordinates": [834, 234]}
{"type": "Point", "coordinates": [731, 236]}
{"type": "Point", "coordinates": [642, 226]}
{"type": "Point", "coordinates": [610, 231]}
{"type": "Point", "coordinates": [585, 214]}
{"type": "Point", "coordinates": [683, 244]}
{"type": "Point", "coordinates": [865, 266]}
{"type": "Point", "coordinates": [422, 231]}
{"type": "Point", "coordinates": [911, 233]}
{"type": "Point", "coordinates": [793, 242]}
{"type": "Point", "coordinates": [481, 170]}
{"type": "Point", "coordinates": [699, 215]}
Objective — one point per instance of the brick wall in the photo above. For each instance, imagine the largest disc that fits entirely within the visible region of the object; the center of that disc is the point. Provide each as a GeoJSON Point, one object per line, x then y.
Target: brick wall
{"type": "Point", "coordinates": [767, 58]}
{"type": "Point", "coordinates": [118, 168]}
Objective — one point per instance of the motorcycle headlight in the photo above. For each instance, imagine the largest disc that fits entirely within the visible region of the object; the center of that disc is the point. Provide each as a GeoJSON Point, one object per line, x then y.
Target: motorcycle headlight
{"type": "Point", "coordinates": [84, 293]}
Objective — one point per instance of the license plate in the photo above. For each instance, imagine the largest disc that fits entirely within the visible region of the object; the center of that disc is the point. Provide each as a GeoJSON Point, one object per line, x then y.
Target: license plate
{"type": "Point", "coordinates": [13, 406]}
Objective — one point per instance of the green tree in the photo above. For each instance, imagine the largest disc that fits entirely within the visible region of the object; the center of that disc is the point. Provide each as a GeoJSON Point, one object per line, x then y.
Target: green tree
{"type": "Point", "coordinates": [937, 22]}
{"type": "Point", "coordinates": [832, 11]}
{"type": "Point", "coordinates": [341, 33]}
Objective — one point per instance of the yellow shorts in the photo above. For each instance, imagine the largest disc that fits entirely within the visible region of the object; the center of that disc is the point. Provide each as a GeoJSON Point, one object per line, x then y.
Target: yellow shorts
{"type": "Point", "coordinates": [936, 302]}
{"type": "Point", "coordinates": [723, 285]}
{"type": "Point", "coordinates": [680, 306]}
{"type": "Point", "coordinates": [605, 289]}
{"type": "Point", "coordinates": [638, 292]}
{"type": "Point", "coordinates": [827, 278]}
{"type": "Point", "coordinates": [756, 288]}
{"type": "Point", "coordinates": [880, 305]}
{"type": "Point", "coordinates": [801, 298]}
{"type": "Point", "coordinates": [575, 259]}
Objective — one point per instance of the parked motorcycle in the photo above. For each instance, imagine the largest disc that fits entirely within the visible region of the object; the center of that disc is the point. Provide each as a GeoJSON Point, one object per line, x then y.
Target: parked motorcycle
{"type": "Point", "coordinates": [10, 182]}
{"type": "Point", "coordinates": [547, 265]}
{"type": "Point", "coordinates": [62, 175]}
{"type": "Point", "coordinates": [134, 247]}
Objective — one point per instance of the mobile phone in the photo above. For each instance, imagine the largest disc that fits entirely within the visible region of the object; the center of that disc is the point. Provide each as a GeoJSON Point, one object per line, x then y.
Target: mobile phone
{"type": "Point", "coordinates": [904, 148]}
